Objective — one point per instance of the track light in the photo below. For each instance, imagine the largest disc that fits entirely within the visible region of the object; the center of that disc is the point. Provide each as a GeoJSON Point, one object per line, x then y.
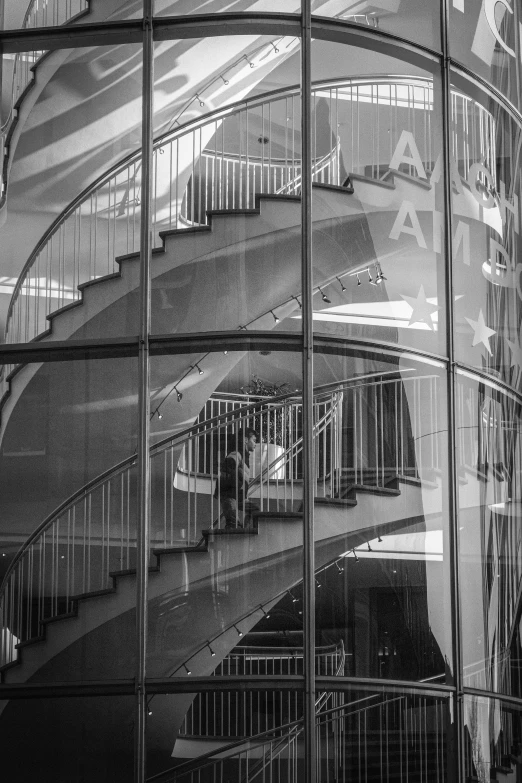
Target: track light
{"type": "Point", "coordinates": [276, 50]}
{"type": "Point", "coordinates": [370, 278]}
{"type": "Point", "coordinates": [239, 633]}
{"type": "Point", "coordinates": [225, 81]}
{"type": "Point", "coordinates": [379, 539]}
{"type": "Point", "coordinates": [355, 555]}
{"type": "Point", "coordinates": [323, 295]}
{"type": "Point", "coordinates": [292, 596]}
{"type": "Point", "coordinates": [318, 583]}
{"type": "Point", "coordinates": [239, 328]}
{"type": "Point", "coordinates": [225, 353]}
{"type": "Point", "coordinates": [198, 368]}
{"type": "Point", "coordinates": [160, 415]}
{"type": "Point", "coordinates": [369, 547]}
{"type": "Point", "coordinates": [267, 614]}
{"type": "Point", "coordinates": [339, 569]}
{"type": "Point", "coordinates": [358, 279]}
{"type": "Point", "coordinates": [343, 287]}
{"type": "Point", "coordinates": [252, 65]}
{"type": "Point", "coordinates": [298, 302]}
{"type": "Point", "coordinates": [187, 669]}
{"type": "Point", "coordinates": [276, 319]}
{"type": "Point", "coordinates": [212, 653]}
{"type": "Point", "coordinates": [197, 97]}
{"type": "Point", "coordinates": [380, 277]}
{"type": "Point", "coordinates": [149, 711]}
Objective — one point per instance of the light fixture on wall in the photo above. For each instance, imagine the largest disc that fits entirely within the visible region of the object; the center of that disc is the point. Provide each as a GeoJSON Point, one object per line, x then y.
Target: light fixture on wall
{"type": "Point", "coordinates": [323, 295]}
{"type": "Point", "coordinates": [380, 277]}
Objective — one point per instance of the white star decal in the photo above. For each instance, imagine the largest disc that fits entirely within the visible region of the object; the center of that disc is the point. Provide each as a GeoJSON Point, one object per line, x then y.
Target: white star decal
{"type": "Point", "coordinates": [516, 351]}
{"type": "Point", "coordinates": [482, 332]}
{"type": "Point", "coordinates": [421, 309]}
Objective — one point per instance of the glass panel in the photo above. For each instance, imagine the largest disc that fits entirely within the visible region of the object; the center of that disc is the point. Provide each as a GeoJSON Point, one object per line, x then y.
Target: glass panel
{"type": "Point", "coordinates": [68, 213]}
{"type": "Point", "coordinates": [186, 7]}
{"type": "Point", "coordinates": [381, 516]}
{"type": "Point", "coordinates": [489, 439]}
{"type": "Point", "coordinates": [360, 735]}
{"type": "Point", "coordinates": [484, 37]}
{"type": "Point", "coordinates": [493, 740]}
{"type": "Point", "coordinates": [227, 490]}
{"type": "Point", "coordinates": [486, 235]}
{"type": "Point", "coordinates": [80, 739]}
{"type": "Point", "coordinates": [225, 209]}
{"type": "Point", "coordinates": [415, 20]}
{"type": "Point", "coordinates": [378, 234]}
{"type": "Point", "coordinates": [64, 530]}
{"type": "Point", "coordinates": [29, 14]}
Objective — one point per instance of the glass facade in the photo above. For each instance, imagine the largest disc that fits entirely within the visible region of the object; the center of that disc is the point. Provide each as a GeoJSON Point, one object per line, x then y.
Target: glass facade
{"type": "Point", "coordinates": [260, 405]}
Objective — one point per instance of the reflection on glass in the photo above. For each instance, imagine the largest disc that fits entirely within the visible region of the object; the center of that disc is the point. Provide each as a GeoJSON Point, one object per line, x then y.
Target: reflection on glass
{"type": "Point", "coordinates": [489, 433]}
{"type": "Point", "coordinates": [80, 739]}
{"type": "Point", "coordinates": [226, 505]}
{"type": "Point", "coordinates": [378, 236]}
{"type": "Point", "coordinates": [486, 241]}
{"type": "Point", "coordinates": [416, 20]}
{"type": "Point", "coordinates": [484, 37]}
{"type": "Point", "coordinates": [493, 740]}
{"type": "Point", "coordinates": [360, 735]}
{"type": "Point", "coordinates": [381, 550]}
{"type": "Point", "coordinates": [65, 527]}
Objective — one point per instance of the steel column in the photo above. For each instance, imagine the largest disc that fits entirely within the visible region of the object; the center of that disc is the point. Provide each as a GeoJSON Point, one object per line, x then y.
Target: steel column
{"type": "Point", "coordinates": [456, 759]}
{"type": "Point", "coordinates": [308, 381]}
{"type": "Point", "coordinates": [143, 521]}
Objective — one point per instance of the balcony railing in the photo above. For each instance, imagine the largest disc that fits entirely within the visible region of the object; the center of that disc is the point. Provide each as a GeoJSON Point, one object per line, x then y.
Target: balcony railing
{"type": "Point", "coordinates": [365, 432]}
{"type": "Point", "coordinates": [363, 738]}
{"type": "Point", "coordinates": [226, 715]}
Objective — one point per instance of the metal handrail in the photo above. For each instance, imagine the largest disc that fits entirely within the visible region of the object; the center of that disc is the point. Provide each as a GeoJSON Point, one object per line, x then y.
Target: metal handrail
{"type": "Point", "coordinates": [292, 731]}
{"type": "Point", "coordinates": [95, 522]}
{"type": "Point", "coordinates": [119, 188]}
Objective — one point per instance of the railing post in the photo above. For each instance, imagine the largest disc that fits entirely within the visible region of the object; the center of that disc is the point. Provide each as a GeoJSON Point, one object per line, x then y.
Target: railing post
{"type": "Point", "coordinates": [308, 459]}
{"type": "Point", "coordinates": [144, 396]}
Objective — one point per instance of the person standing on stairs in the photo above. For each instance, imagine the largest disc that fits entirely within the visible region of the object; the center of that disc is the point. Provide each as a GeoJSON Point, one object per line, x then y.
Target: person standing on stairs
{"type": "Point", "coordinates": [232, 485]}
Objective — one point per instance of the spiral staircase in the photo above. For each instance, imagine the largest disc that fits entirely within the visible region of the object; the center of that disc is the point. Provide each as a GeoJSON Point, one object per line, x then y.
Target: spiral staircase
{"type": "Point", "coordinates": [223, 210]}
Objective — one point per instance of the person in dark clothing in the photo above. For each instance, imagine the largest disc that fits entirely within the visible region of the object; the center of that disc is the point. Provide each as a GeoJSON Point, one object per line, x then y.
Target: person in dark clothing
{"type": "Point", "coordinates": [234, 480]}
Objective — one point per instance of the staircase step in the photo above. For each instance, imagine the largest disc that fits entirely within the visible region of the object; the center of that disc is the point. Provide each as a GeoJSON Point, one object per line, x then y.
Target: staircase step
{"type": "Point", "coordinates": [27, 642]}
{"type": "Point", "coordinates": [337, 502]}
{"type": "Point", "coordinates": [64, 616]}
{"type": "Point", "coordinates": [93, 594]}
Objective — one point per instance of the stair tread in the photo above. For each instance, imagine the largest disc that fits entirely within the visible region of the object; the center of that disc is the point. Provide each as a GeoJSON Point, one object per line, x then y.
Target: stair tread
{"type": "Point", "coordinates": [27, 642]}
{"type": "Point", "coordinates": [92, 594]}
{"type": "Point", "coordinates": [56, 617]}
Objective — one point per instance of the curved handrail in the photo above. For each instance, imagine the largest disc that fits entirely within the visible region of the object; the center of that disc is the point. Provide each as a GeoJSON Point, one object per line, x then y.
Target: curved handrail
{"type": "Point", "coordinates": [61, 559]}
{"type": "Point", "coordinates": [199, 428]}
{"type": "Point", "coordinates": [185, 128]}
{"type": "Point", "coordinates": [291, 730]}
